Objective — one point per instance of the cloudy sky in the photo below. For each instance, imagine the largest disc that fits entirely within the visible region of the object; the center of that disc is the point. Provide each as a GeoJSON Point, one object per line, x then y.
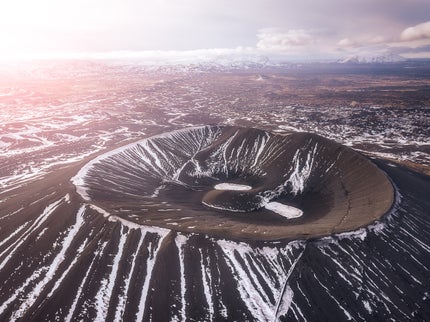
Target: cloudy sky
{"type": "Point", "coordinates": [280, 28]}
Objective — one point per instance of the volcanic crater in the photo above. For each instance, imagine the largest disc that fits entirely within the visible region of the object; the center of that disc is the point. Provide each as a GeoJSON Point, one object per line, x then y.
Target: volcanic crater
{"type": "Point", "coordinates": [238, 183]}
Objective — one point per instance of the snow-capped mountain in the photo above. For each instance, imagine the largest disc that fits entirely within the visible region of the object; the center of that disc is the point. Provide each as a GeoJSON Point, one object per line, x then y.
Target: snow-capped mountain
{"type": "Point", "coordinates": [372, 58]}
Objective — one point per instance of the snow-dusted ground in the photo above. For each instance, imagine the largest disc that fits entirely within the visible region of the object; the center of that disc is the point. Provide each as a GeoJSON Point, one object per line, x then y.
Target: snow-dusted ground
{"type": "Point", "coordinates": [59, 113]}
{"type": "Point", "coordinates": [68, 261]}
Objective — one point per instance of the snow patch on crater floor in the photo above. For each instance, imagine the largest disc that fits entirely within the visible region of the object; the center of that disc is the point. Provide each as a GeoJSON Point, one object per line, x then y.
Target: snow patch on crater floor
{"type": "Point", "coordinates": [232, 186]}
{"type": "Point", "coordinates": [284, 210]}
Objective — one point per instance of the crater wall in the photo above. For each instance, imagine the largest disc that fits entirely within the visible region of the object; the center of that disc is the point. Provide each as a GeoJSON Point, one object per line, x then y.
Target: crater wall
{"type": "Point", "coordinates": [169, 181]}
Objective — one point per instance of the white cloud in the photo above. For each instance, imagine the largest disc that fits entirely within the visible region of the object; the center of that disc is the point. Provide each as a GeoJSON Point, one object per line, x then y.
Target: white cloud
{"type": "Point", "coordinates": [420, 31]}
{"type": "Point", "coordinates": [361, 42]}
{"type": "Point", "coordinates": [346, 42]}
{"type": "Point", "coordinates": [273, 39]}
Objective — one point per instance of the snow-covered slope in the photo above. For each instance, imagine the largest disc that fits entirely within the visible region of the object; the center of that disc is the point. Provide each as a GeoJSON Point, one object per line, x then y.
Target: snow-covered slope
{"type": "Point", "coordinates": [372, 58]}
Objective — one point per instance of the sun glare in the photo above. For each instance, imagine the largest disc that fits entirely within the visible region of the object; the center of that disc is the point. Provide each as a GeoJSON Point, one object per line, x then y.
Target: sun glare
{"type": "Point", "coordinates": [32, 27]}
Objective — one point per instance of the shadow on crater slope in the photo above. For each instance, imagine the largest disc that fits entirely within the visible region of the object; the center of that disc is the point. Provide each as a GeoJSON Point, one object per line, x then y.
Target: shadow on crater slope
{"type": "Point", "coordinates": [170, 181]}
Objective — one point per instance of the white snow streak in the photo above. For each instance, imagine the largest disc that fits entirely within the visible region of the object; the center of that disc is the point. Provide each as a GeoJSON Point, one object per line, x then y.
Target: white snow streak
{"type": "Point", "coordinates": [152, 250]}
{"type": "Point", "coordinates": [286, 302]}
{"type": "Point", "coordinates": [84, 280]}
{"type": "Point", "coordinates": [52, 268]}
{"type": "Point", "coordinates": [207, 282]}
{"type": "Point", "coordinates": [36, 224]}
{"type": "Point", "coordinates": [105, 292]}
{"type": "Point", "coordinates": [180, 241]}
{"type": "Point", "coordinates": [123, 299]}
{"type": "Point", "coordinates": [301, 173]}
{"type": "Point", "coordinates": [258, 305]}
